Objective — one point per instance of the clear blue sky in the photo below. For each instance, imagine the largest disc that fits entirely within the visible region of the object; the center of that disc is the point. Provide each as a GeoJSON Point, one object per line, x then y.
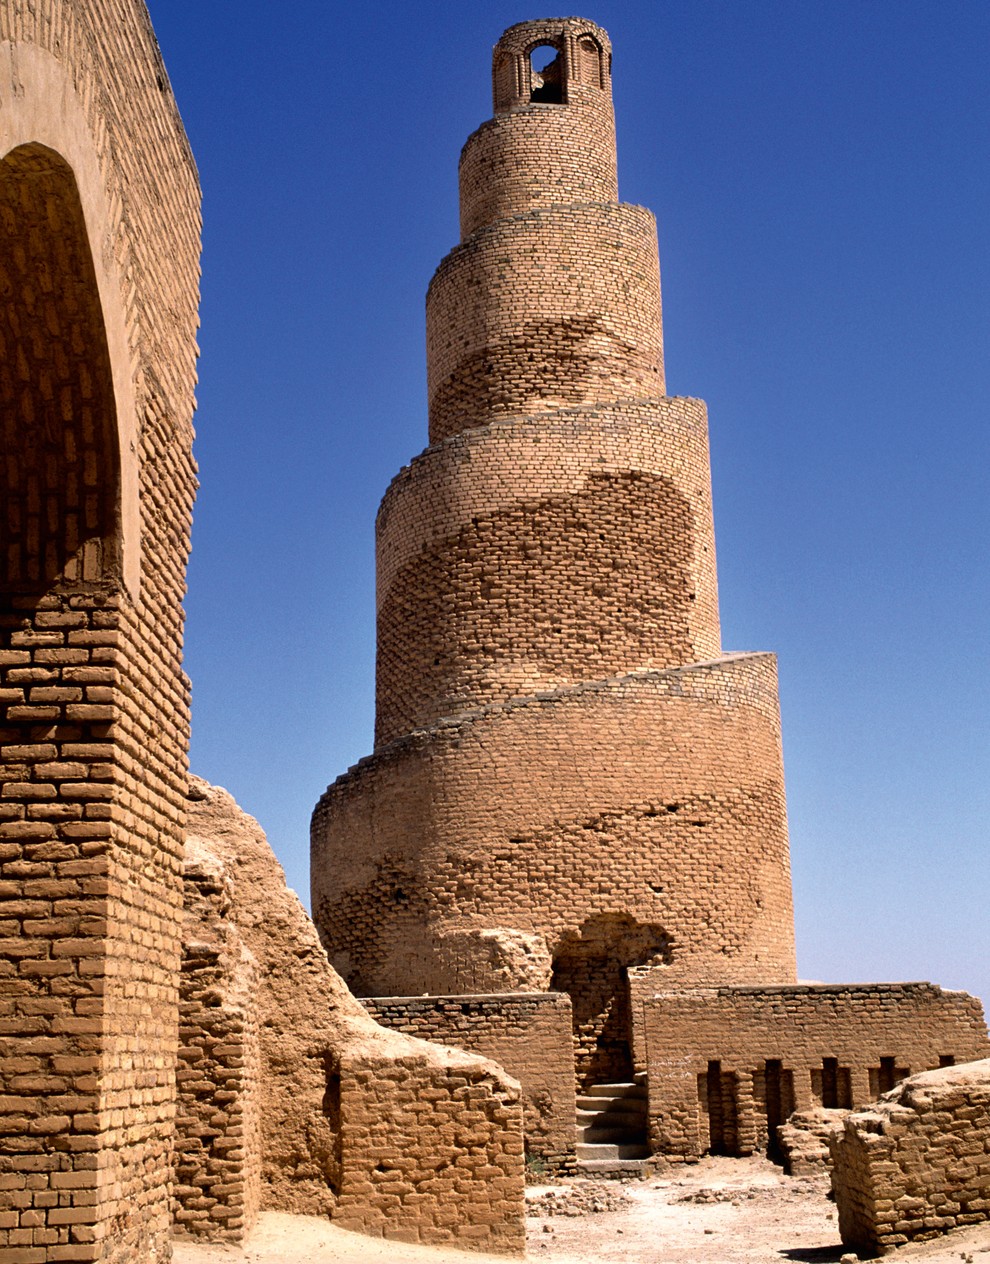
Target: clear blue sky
{"type": "Point", "coordinates": [820, 176]}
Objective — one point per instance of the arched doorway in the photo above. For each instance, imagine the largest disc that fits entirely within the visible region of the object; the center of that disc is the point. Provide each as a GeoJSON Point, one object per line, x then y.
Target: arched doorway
{"type": "Point", "coordinates": [590, 965]}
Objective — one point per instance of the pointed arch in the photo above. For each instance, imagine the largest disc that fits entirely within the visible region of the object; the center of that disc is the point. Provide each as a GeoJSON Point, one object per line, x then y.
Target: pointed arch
{"type": "Point", "coordinates": [60, 474]}
{"type": "Point", "coordinates": [45, 138]}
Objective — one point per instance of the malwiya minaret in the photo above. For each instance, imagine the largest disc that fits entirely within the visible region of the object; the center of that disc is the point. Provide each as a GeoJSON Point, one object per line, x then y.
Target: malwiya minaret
{"type": "Point", "coordinates": [570, 777]}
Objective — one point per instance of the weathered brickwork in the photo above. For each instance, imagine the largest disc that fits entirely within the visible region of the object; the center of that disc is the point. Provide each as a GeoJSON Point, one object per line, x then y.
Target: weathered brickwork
{"type": "Point", "coordinates": [542, 552]}
{"type": "Point", "coordinates": [99, 205]}
{"type": "Point", "coordinates": [491, 825]}
{"type": "Point", "coordinates": [529, 1034]}
{"type": "Point", "coordinates": [563, 752]}
{"type": "Point", "coordinates": [291, 1095]}
{"type": "Point", "coordinates": [770, 1051]}
{"type": "Point", "coordinates": [573, 789]}
{"type": "Point", "coordinates": [218, 1158]}
{"type": "Point", "coordinates": [580, 325]}
{"type": "Point", "coordinates": [918, 1163]}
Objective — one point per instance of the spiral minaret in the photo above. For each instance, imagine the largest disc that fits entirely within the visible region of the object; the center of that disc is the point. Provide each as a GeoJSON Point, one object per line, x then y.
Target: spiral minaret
{"type": "Point", "coordinates": [569, 776]}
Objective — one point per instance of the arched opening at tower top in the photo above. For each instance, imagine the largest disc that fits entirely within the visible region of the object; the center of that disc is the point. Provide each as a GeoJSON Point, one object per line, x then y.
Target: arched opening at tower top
{"type": "Point", "coordinates": [60, 467]}
{"type": "Point", "coordinates": [546, 75]}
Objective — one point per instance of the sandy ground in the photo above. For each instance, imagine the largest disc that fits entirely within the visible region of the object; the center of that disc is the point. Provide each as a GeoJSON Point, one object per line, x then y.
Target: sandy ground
{"type": "Point", "coordinates": [724, 1211]}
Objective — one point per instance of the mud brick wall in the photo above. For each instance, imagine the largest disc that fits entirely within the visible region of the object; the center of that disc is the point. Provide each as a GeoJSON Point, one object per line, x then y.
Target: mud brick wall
{"type": "Point", "coordinates": [498, 345]}
{"type": "Point", "coordinates": [527, 1034]}
{"type": "Point", "coordinates": [100, 201]}
{"type": "Point", "coordinates": [218, 1160]}
{"type": "Point", "coordinates": [431, 1149]}
{"type": "Point", "coordinates": [385, 1133]}
{"type": "Point", "coordinates": [918, 1163]}
{"type": "Point", "coordinates": [784, 1048]}
{"type": "Point", "coordinates": [540, 552]}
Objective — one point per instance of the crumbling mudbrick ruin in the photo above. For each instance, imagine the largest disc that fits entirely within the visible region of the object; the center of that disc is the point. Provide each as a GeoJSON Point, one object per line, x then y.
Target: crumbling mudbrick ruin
{"type": "Point", "coordinates": [560, 883]}
{"type": "Point", "coordinates": [916, 1164]}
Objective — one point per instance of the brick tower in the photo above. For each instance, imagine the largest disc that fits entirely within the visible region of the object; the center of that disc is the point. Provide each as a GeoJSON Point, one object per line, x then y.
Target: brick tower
{"type": "Point", "coordinates": [570, 778]}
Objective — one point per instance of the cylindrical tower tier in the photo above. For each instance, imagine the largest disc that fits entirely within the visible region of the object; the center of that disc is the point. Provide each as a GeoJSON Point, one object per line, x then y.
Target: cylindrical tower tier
{"type": "Point", "coordinates": [544, 310]}
{"type": "Point", "coordinates": [543, 551]}
{"type": "Point", "coordinates": [634, 821]}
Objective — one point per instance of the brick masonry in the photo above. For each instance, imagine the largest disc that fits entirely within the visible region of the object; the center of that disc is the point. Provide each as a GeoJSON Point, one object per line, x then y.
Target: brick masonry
{"type": "Point", "coordinates": [217, 1171]}
{"type": "Point", "coordinates": [529, 1034]}
{"type": "Point", "coordinates": [293, 1098]}
{"type": "Point", "coordinates": [726, 1065]}
{"type": "Point", "coordinates": [918, 1163]}
{"type": "Point", "coordinates": [563, 752]}
{"type": "Point", "coordinates": [99, 201]}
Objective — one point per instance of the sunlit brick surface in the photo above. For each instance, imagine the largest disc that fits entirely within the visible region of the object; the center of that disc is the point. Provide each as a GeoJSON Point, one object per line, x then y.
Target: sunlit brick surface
{"type": "Point", "coordinates": [99, 209]}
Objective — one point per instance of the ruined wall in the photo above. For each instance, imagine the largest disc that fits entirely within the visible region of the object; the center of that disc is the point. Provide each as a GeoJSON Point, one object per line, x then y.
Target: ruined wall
{"type": "Point", "coordinates": [389, 1135]}
{"type": "Point", "coordinates": [218, 1151]}
{"type": "Point", "coordinates": [100, 203]}
{"type": "Point", "coordinates": [918, 1163]}
{"type": "Point", "coordinates": [529, 1034]}
{"type": "Point", "coordinates": [774, 1050]}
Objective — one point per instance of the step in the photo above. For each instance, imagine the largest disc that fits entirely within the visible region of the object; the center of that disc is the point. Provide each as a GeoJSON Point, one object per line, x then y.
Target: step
{"type": "Point", "coordinates": [630, 1089]}
{"type": "Point", "coordinates": [618, 1169]}
{"type": "Point", "coordinates": [621, 1101]}
{"type": "Point", "coordinates": [612, 1118]}
{"type": "Point", "coordinates": [613, 1105]}
{"type": "Point", "coordinates": [585, 1152]}
{"type": "Point", "coordinates": [612, 1136]}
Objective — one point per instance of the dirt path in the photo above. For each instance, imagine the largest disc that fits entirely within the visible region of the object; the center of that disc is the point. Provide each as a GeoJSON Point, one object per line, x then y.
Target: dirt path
{"type": "Point", "coordinates": [719, 1211]}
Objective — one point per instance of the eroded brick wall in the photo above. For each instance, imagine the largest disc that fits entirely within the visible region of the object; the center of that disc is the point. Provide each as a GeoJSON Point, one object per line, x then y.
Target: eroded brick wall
{"type": "Point", "coordinates": [542, 552]}
{"type": "Point", "coordinates": [218, 1160]}
{"type": "Point", "coordinates": [562, 750]}
{"type": "Point", "coordinates": [774, 1050]}
{"type": "Point", "coordinates": [100, 204]}
{"type": "Point", "coordinates": [385, 1133]}
{"type": "Point", "coordinates": [527, 1034]}
{"type": "Point", "coordinates": [917, 1164]}
{"type": "Point", "coordinates": [431, 1148]}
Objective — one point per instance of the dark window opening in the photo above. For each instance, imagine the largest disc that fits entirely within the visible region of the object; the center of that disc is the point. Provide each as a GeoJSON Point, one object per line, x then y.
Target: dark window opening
{"type": "Point", "coordinates": [547, 75]}
{"type": "Point", "coordinates": [718, 1093]}
{"type": "Point", "coordinates": [832, 1085]}
{"type": "Point", "coordinates": [779, 1093]}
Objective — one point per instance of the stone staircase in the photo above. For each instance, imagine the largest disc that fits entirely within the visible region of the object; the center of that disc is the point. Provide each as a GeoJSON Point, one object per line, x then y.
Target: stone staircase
{"type": "Point", "coordinates": [612, 1130]}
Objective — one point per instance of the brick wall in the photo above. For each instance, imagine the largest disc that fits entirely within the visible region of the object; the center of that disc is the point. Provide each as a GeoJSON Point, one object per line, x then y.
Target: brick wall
{"type": "Point", "coordinates": [452, 1172]}
{"type": "Point", "coordinates": [918, 1163]}
{"type": "Point", "coordinates": [218, 1156]}
{"type": "Point", "coordinates": [385, 1133]}
{"type": "Point", "coordinates": [99, 322]}
{"type": "Point", "coordinates": [579, 324]}
{"type": "Point", "coordinates": [527, 1034]}
{"type": "Point", "coordinates": [562, 750]}
{"type": "Point", "coordinates": [657, 799]}
{"type": "Point", "coordinates": [767, 1051]}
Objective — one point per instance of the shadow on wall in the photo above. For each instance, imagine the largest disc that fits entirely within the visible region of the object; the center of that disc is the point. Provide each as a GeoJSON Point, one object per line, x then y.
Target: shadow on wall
{"type": "Point", "coordinates": [589, 964]}
{"type": "Point", "coordinates": [59, 480]}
